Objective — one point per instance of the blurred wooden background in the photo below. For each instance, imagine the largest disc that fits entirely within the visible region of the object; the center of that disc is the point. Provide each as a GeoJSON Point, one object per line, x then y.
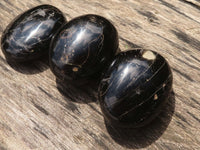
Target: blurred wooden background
{"type": "Point", "coordinates": [36, 114]}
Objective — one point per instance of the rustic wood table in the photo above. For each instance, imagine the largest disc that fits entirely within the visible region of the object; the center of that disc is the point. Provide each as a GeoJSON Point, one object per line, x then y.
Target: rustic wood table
{"type": "Point", "coordinates": [36, 112]}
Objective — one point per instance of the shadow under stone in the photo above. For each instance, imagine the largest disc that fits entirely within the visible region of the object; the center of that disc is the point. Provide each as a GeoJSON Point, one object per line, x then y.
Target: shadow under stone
{"type": "Point", "coordinates": [80, 91]}
{"type": "Point", "coordinates": [30, 67]}
{"type": "Point", "coordinates": [142, 137]}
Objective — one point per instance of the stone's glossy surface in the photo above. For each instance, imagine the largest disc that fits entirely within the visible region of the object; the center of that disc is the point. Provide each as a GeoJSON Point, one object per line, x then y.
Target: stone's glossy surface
{"type": "Point", "coordinates": [83, 47]}
{"type": "Point", "coordinates": [28, 36]}
{"type": "Point", "coordinates": [134, 88]}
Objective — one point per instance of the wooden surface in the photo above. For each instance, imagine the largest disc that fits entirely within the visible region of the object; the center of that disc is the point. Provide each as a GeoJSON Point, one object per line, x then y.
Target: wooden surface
{"type": "Point", "coordinates": [38, 113]}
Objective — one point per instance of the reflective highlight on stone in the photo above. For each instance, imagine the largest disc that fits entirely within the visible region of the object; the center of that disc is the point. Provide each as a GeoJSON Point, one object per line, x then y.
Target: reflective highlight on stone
{"type": "Point", "coordinates": [83, 47]}
{"type": "Point", "coordinates": [28, 36]}
{"type": "Point", "coordinates": [134, 88]}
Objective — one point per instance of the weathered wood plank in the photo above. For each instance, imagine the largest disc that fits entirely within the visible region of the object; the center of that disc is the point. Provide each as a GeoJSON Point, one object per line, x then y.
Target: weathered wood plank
{"type": "Point", "coordinates": [36, 112]}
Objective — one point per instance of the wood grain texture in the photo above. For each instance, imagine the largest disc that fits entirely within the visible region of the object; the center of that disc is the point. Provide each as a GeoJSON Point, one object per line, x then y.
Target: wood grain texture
{"type": "Point", "coordinates": [36, 112]}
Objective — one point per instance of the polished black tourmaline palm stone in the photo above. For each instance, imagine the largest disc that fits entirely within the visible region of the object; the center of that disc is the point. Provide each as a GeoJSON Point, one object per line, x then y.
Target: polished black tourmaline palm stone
{"type": "Point", "coordinates": [134, 88]}
{"type": "Point", "coordinates": [28, 36]}
{"type": "Point", "coordinates": [83, 47]}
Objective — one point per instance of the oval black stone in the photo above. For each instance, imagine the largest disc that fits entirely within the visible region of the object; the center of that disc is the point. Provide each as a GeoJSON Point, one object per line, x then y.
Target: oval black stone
{"type": "Point", "coordinates": [28, 36]}
{"type": "Point", "coordinates": [83, 47]}
{"type": "Point", "coordinates": [134, 88]}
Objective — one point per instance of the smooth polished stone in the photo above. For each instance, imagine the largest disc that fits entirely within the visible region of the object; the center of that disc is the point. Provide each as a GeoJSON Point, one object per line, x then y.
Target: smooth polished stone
{"type": "Point", "coordinates": [83, 47]}
{"type": "Point", "coordinates": [134, 88]}
{"type": "Point", "coordinates": [28, 36]}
